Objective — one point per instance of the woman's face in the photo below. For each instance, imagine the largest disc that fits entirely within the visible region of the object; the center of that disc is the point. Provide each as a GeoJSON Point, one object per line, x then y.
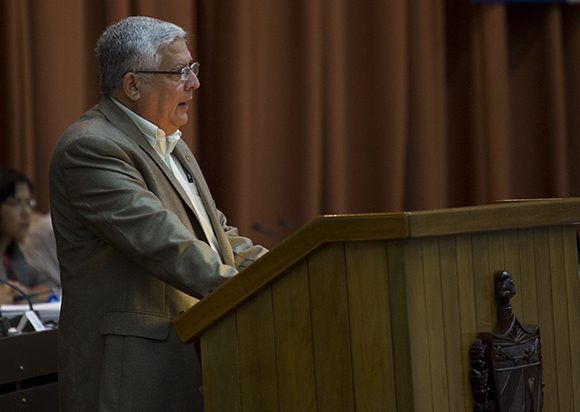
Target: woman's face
{"type": "Point", "coordinates": [15, 214]}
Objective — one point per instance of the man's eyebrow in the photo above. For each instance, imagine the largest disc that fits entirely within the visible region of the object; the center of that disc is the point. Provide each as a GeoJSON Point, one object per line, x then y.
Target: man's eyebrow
{"type": "Point", "coordinates": [182, 65]}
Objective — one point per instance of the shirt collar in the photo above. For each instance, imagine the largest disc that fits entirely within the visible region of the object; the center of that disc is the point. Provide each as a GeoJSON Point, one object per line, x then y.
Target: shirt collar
{"type": "Point", "coordinates": [155, 136]}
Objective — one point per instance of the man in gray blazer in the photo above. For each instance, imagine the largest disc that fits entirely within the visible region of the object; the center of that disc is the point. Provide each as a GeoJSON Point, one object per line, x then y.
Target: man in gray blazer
{"type": "Point", "coordinates": [138, 233]}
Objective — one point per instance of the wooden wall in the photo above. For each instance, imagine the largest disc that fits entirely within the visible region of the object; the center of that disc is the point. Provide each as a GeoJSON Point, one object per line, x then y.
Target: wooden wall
{"type": "Point", "coordinates": [387, 325]}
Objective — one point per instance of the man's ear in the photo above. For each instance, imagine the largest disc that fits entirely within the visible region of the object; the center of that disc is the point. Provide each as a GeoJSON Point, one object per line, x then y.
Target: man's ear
{"type": "Point", "coordinates": [131, 86]}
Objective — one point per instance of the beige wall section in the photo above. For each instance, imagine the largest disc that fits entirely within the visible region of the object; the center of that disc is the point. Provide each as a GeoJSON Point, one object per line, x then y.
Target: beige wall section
{"type": "Point", "coordinates": [387, 325]}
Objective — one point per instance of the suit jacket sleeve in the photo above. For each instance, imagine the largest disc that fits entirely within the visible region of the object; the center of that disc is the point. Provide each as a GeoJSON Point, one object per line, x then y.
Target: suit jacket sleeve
{"type": "Point", "coordinates": [241, 251]}
{"type": "Point", "coordinates": [103, 185]}
{"type": "Point", "coordinates": [245, 251]}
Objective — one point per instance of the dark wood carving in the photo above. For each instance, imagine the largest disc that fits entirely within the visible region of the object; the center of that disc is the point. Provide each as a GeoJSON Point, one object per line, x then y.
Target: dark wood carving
{"type": "Point", "coordinates": [506, 364]}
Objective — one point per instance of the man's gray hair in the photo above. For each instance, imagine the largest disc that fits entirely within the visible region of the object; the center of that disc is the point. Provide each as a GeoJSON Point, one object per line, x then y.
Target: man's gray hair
{"type": "Point", "coordinates": [133, 44]}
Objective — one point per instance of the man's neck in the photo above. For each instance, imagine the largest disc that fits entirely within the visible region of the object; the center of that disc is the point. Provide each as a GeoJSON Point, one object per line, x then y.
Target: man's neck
{"type": "Point", "coordinates": [121, 98]}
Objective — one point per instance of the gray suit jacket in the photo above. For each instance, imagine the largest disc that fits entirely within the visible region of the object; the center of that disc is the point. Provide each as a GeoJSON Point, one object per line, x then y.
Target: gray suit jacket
{"type": "Point", "coordinates": [132, 257]}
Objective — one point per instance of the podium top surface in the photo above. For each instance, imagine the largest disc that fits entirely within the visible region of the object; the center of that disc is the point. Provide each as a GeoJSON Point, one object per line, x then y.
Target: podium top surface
{"type": "Point", "coordinates": [512, 214]}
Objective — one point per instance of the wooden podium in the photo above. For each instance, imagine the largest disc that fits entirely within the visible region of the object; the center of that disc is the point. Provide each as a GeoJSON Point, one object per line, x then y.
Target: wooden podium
{"type": "Point", "coordinates": [377, 312]}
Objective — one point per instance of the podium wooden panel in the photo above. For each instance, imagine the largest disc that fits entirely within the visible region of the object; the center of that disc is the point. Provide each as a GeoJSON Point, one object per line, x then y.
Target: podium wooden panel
{"type": "Point", "coordinates": [377, 312]}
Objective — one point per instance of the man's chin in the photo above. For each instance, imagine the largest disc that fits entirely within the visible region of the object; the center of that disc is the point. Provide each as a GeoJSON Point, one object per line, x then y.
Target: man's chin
{"type": "Point", "coordinates": [181, 120]}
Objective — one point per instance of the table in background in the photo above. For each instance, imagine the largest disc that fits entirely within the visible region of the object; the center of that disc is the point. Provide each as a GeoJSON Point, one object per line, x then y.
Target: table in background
{"type": "Point", "coordinates": [28, 372]}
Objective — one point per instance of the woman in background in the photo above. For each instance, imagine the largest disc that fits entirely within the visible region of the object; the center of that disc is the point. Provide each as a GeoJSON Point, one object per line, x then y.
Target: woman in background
{"type": "Point", "coordinates": [16, 206]}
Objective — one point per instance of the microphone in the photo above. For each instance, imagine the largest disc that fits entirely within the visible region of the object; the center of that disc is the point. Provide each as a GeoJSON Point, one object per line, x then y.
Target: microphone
{"type": "Point", "coordinates": [261, 229]}
{"type": "Point", "coordinates": [283, 222]}
{"type": "Point", "coordinates": [30, 315]}
{"type": "Point", "coordinates": [286, 223]}
{"type": "Point", "coordinates": [23, 296]}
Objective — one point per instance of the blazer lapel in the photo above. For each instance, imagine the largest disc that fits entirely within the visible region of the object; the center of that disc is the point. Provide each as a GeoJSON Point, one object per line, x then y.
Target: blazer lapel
{"type": "Point", "coordinates": [184, 155]}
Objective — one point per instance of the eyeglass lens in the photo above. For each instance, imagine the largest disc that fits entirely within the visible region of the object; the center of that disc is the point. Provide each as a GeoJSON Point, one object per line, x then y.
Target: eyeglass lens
{"type": "Point", "coordinates": [188, 70]}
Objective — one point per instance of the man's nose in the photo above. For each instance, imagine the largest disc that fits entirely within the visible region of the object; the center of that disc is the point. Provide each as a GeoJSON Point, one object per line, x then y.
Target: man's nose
{"type": "Point", "coordinates": [192, 83]}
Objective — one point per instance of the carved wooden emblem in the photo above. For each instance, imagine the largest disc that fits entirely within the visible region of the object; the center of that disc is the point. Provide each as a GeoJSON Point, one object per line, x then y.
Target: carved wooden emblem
{"type": "Point", "coordinates": [506, 364]}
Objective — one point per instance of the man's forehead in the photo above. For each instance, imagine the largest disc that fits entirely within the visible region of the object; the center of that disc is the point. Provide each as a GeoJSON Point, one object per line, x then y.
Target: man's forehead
{"type": "Point", "coordinates": [176, 55]}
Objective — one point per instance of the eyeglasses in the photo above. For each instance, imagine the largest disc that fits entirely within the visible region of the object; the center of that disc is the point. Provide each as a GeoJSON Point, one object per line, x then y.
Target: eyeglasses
{"type": "Point", "coordinates": [21, 203]}
{"type": "Point", "coordinates": [185, 72]}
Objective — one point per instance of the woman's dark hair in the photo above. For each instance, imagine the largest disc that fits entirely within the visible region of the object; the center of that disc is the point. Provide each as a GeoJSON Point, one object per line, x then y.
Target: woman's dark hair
{"type": "Point", "coordinates": [9, 180]}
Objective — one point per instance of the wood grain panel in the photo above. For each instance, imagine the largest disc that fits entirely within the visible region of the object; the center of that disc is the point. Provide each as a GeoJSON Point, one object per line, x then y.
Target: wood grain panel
{"type": "Point", "coordinates": [545, 318]}
{"type": "Point", "coordinates": [435, 327]}
{"type": "Point", "coordinates": [468, 314]}
{"type": "Point", "coordinates": [418, 335]}
{"type": "Point", "coordinates": [257, 354]}
{"type": "Point", "coordinates": [331, 330]}
{"type": "Point", "coordinates": [452, 324]}
{"type": "Point", "coordinates": [221, 384]}
{"type": "Point", "coordinates": [370, 320]}
{"type": "Point", "coordinates": [496, 264]}
{"type": "Point", "coordinates": [572, 285]}
{"type": "Point", "coordinates": [528, 285]}
{"type": "Point", "coordinates": [511, 263]}
{"type": "Point", "coordinates": [483, 284]}
{"type": "Point", "coordinates": [495, 251]}
{"type": "Point", "coordinates": [400, 324]}
{"type": "Point", "coordinates": [294, 353]}
{"type": "Point", "coordinates": [560, 316]}
{"type": "Point", "coordinates": [499, 216]}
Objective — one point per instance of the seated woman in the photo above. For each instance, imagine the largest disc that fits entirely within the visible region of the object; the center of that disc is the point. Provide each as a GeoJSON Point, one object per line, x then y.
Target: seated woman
{"type": "Point", "coordinates": [16, 206]}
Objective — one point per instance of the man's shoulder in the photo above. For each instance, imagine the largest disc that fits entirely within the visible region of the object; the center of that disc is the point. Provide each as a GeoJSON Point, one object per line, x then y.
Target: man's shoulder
{"type": "Point", "coordinates": [92, 122]}
{"type": "Point", "coordinates": [92, 128]}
